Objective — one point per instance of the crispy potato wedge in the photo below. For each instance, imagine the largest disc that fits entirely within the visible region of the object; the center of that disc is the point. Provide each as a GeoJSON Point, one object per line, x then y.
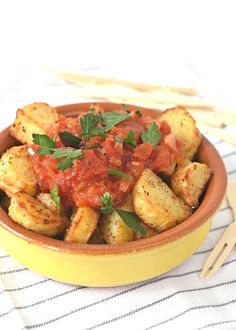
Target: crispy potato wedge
{"type": "Point", "coordinates": [112, 227]}
{"type": "Point", "coordinates": [150, 232]}
{"type": "Point", "coordinates": [16, 172]}
{"type": "Point", "coordinates": [156, 204]}
{"type": "Point", "coordinates": [83, 224]}
{"type": "Point", "coordinates": [33, 118]}
{"type": "Point", "coordinates": [184, 128]}
{"type": "Point", "coordinates": [47, 200]}
{"type": "Point", "coordinates": [189, 181]}
{"type": "Point", "coordinates": [34, 215]}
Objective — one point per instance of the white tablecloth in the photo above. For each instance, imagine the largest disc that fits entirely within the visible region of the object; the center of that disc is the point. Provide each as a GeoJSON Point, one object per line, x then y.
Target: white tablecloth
{"type": "Point", "coordinates": [178, 299]}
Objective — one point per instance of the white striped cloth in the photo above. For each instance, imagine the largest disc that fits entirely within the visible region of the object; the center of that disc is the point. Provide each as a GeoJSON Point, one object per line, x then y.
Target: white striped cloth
{"type": "Point", "coordinates": [178, 299]}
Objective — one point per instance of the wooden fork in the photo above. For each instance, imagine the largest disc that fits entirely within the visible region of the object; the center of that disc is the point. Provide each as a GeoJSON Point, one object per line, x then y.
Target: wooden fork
{"type": "Point", "coordinates": [227, 241]}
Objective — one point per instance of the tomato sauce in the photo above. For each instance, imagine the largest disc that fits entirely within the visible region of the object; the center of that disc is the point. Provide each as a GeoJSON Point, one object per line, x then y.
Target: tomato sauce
{"type": "Point", "coordinates": [88, 179]}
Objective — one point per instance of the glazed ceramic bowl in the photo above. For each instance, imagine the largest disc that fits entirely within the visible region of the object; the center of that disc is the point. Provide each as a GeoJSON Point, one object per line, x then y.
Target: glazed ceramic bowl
{"type": "Point", "coordinates": [111, 265]}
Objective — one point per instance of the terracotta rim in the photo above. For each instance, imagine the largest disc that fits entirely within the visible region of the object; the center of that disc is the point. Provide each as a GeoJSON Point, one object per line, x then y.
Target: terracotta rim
{"type": "Point", "coordinates": [209, 205]}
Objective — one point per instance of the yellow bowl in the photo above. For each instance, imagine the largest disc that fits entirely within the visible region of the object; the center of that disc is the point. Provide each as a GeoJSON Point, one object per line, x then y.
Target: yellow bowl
{"type": "Point", "coordinates": [104, 265]}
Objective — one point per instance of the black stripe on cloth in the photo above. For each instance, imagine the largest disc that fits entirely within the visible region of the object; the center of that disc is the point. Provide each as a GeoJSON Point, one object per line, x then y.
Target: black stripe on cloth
{"type": "Point", "coordinates": [42, 301]}
{"type": "Point", "coordinates": [224, 208]}
{"type": "Point", "coordinates": [13, 271]}
{"type": "Point", "coordinates": [158, 279]}
{"type": "Point", "coordinates": [5, 256]}
{"type": "Point", "coordinates": [229, 154]}
{"type": "Point", "coordinates": [218, 228]}
{"type": "Point", "coordinates": [189, 310]}
{"type": "Point", "coordinates": [202, 252]}
{"type": "Point", "coordinates": [25, 287]}
{"type": "Point", "coordinates": [210, 325]}
{"type": "Point", "coordinates": [117, 318]}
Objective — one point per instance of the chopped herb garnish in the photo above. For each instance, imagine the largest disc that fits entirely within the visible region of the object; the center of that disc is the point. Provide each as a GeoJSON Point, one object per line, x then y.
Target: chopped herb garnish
{"type": "Point", "coordinates": [92, 146]}
{"type": "Point", "coordinates": [92, 109]}
{"type": "Point", "coordinates": [45, 151]}
{"type": "Point", "coordinates": [124, 107]}
{"type": "Point", "coordinates": [111, 119]}
{"type": "Point", "coordinates": [70, 156]}
{"type": "Point", "coordinates": [43, 140]}
{"type": "Point", "coordinates": [69, 140]}
{"type": "Point", "coordinates": [88, 124]}
{"type": "Point", "coordinates": [138, 113]}
{"type": "Point", "coordinates": [107, 203]}
{"type": "Point", "coordinates": [50, 148]}
{"type": "Point", "coordinates": [130, 139]}
{"type": "Point", "coordinates": [71, 153]}
{"type": "Point", "coordinates": [118, 173]}
{"type": "Point", "coordinates": [99, 131]}
{"type": "Point", "coordinates": [55, 195]}
{"type": "Point", "coordinates": [117, 139]}
{"type": "Point", "coordinates": [152, 135]}
{"type": "Point", "coordinates": [65, 163]}
{"type": "Point", "coordinates": [131, 220]}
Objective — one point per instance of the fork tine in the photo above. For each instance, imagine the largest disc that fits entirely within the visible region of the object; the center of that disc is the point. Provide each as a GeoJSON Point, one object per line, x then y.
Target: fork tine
{"type": "Point", "coordinates": [221, 259]}
{"type": "Point", "coordinates": [231, 197]}
{"type": "Point", "coordinates": [217, 249]}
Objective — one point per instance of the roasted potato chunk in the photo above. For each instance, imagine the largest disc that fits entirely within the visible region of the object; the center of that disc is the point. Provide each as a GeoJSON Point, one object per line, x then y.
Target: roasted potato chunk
{"type": "Point", "coordinates": [189, 181]}
{"type": "Point", "coordinates": [34, 215]}
{"type": "Point", "coordinates": [84, 222]}
{"type": "Point", "coordinates": [33, 118]}
{"type": "Point", "coordinates": [156, 204]}
{"type": "Point", "coordinates": [112, 227]}
{"type": "Point", "coordinates": [47, 200]}
{"type": "Point", "coordinates": [150, 232]}
{"type": "Point", "coordinates": [184, 128]}
{"type": "Point", "coordinates": [16, 172]}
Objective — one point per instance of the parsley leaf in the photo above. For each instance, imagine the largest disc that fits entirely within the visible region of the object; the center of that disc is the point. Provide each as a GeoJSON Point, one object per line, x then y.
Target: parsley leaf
{"type": "Point", "coordinates": [111, 119]}
{"type": "Point", "coordinates": [131, 220]}
{"type": "Point", "coordinates": [130, 139]}
{"type": "Point", "coordinates": [118, 173]}
{"type": "Point", "coordinates": [69, 140]}
{"type": "Point", "coordinates": [88, 124]}
{"type": "Point", "coordinates": [107, 203]}
{"type": "Point", "coordinates": [45, 151]}
{"type": "Point", "coordinates": [152, 135]}
{"type": "Point", "coordinates": [117, 139]}
{"type": "Point", "coordinates": [43, 140]}
{"type": "Point", "coordinates": [92, 146]}
{"type": "Point", "coordinates": [124, 107]}
{"type": "Point", "coordinates": [70, 154]}
{"type": "Point", "coordinates": [55, 195]}
{"type": "Point", "coordinates": [65, 163]}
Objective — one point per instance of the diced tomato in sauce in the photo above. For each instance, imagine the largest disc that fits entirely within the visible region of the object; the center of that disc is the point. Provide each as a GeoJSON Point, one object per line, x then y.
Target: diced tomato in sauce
{"type": "Point", "coordinates": [88, 179]}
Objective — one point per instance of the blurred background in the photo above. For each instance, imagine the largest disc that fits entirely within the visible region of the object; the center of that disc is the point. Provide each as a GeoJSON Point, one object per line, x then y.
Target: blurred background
{"type": "Point", "coordinates": [178, 43]}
